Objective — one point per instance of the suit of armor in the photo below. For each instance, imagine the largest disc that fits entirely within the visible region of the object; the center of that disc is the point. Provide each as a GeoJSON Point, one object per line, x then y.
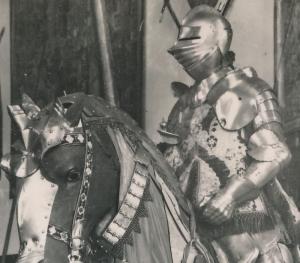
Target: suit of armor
{"type": "Point", "coordinates": [230, 145]}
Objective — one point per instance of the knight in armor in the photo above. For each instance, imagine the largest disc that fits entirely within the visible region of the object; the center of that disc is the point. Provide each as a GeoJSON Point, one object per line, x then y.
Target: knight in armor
{"type": "Point", "coordinates": [228, 147]}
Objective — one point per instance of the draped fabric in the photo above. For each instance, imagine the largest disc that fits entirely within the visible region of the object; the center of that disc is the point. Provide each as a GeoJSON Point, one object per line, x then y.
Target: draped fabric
{"type": "Point", "coordinates": [159, 229]}
{"type": "Point", "coordinates": [152, 245]}
{"type": "Point", "coordinates": [290, 58]}
{"type": "Point", "coordinates": [55, 50]}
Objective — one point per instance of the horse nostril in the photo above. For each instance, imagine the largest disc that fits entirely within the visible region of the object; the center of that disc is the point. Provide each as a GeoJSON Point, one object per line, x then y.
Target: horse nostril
{"type": "Point", "coordinates": [73, 175]}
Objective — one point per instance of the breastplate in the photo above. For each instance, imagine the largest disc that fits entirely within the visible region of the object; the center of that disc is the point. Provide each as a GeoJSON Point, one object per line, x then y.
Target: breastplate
{"type": "Point", "coordinates": [221, 153]}
{"type": "Point", "coordinates": [34, 208]}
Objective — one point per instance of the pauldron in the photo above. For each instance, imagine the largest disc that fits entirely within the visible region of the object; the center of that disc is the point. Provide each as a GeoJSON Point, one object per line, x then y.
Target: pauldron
{"type": "Point", "coordinates": [244, 98]}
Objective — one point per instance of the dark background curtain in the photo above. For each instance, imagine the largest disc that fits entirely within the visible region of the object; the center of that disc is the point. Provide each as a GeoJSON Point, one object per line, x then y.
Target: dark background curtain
{"type": "Point", "coordinates": [290, 58]}
{"type": "Point", "coordinates": [10, 259]}
{"type": "Point", "coordinates": [55, 50]}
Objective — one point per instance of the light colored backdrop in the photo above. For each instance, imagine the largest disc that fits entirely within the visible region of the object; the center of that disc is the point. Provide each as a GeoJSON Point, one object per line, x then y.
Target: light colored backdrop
{"type": "Point", "coordinates": [252, 23]}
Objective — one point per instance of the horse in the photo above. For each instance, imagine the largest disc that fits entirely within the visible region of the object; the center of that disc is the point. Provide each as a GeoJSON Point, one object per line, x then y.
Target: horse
{"type": "Point", "coordinates": [94, 188]}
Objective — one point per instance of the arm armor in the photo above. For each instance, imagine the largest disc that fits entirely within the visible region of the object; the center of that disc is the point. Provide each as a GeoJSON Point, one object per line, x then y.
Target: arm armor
{"type": "Point", "coordinates": [266, 145]}
{"type": "Point", "coordinates": [270, 155]}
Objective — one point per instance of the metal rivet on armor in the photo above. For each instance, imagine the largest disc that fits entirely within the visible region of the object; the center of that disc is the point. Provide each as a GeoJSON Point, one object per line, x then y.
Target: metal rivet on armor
{"type": "Point", "coordinates": [240, 98]}
{"type": "Point", "coordinates": [223, 122]}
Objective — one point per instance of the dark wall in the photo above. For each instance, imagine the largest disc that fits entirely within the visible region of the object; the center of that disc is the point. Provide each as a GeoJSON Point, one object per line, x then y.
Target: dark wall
{"type": "Point", "coordinates": [10, 259]}
{"type": "Point", "coordinates": [291, 62]}
{"type": "Point", "coordinates": [55, 50]}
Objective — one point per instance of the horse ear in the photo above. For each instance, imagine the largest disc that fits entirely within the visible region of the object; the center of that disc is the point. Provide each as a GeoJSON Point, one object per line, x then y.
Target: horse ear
{"type": "Point", "coordinates": [18, 115]}
{"type": "Point", "coordinates": [29, 107]}
{"type": "Point", "coordinates": [22, 120]}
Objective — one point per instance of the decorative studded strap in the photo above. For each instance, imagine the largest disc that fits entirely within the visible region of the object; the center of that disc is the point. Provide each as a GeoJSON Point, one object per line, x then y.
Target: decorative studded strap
{"type": "Point", "coordinates": [118, 231]}
{"type": "Point", "coordinates": [77, 243]}
{"type": "Point", "coordinates": [73, 138]}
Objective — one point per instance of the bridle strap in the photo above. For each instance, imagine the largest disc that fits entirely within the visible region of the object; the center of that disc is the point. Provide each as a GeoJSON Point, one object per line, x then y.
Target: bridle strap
{"type": "Point", "coordinates": [77, 242]}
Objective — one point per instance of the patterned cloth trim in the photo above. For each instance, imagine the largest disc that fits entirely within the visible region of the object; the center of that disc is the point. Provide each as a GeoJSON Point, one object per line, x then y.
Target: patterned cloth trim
{"type": "Point", "coordinates": [77, 243]}
{"type": "Point", "coordinates": [118, 231]}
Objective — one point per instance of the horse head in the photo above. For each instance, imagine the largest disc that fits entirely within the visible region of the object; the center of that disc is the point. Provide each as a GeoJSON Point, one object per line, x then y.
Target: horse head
{"type": "Point", "coordinates": [57, 151]}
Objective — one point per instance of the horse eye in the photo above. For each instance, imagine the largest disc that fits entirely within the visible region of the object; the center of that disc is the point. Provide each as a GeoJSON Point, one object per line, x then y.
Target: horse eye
{"type": "Point", "coordinates": [73, 175]}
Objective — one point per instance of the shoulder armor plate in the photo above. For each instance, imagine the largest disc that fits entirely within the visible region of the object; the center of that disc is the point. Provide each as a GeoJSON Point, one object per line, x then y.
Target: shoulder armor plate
{"type": "Point", "coordinates": [238, 105]}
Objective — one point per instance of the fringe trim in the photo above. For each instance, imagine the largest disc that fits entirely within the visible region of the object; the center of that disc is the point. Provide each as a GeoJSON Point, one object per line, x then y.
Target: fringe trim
{"type": "Point", "coordinates": [117, 250]}
{"type": "Point", "coordinates": [240, 223]}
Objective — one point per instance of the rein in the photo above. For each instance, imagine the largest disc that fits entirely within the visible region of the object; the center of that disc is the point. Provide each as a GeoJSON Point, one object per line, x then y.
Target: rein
{"type": "Point", "coordinates": [77, 243]}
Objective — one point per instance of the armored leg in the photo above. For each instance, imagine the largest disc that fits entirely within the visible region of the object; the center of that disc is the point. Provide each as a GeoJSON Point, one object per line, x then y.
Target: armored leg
{"type": "Point", "coordinates": [271, 250]}
{"type": "Point", "coordinates": [239, 248]}
{"type": "Point", "coordinates": [264, 247]}
{"type": "Point", "coordinates": [279, 253]}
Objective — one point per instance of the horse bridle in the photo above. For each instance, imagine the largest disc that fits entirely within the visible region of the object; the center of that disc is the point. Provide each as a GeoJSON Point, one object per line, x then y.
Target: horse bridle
{"type": "Point", "coordinates": [117, 233]}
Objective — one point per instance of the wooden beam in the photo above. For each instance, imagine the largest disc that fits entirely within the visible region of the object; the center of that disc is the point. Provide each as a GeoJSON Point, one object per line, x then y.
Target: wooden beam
{"type": "Point", "coordinates": [278, 53]}
{"type": "Point", "coordinates": [105, 51]}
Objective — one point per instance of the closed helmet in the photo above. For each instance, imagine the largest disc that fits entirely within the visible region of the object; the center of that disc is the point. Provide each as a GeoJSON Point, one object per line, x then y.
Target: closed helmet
{"type": "Point", "coordinates": [204, 38]}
